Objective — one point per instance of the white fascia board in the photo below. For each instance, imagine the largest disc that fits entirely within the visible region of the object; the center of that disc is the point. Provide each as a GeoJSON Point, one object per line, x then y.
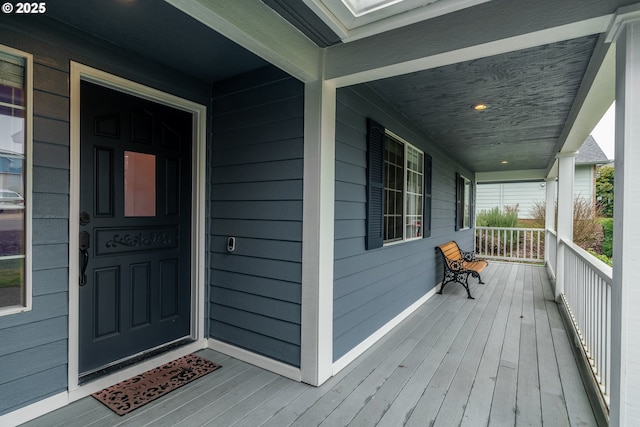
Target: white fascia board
{"type": "Point", "coordinates": [624, 15]}
{"type": "Point", "coordinates": [349, 27]}
{"type": "Point", "coordinates": [408, 17]}
{"type": "Point", "coordinates": [355, 63]}
{"type": "Point", "coordinates": [510, 176]}
{"type": "Point", "coordinates": [260, 30]}
{"type": "Point", "coordinates": [594, 98]}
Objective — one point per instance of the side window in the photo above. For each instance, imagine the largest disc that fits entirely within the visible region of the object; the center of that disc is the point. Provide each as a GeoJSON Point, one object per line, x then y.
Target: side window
{"type": "Point", "coordinates": [464, 199]}
{"type": "Point", "coordinates": [15, 150]}
{"type": "Point", "coordinates": [398, 189]}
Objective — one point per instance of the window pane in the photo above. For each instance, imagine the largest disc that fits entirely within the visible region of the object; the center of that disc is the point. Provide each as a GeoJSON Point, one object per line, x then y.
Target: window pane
{"type": "Point", "coordinates": [12, 282]}
{"type": "Point", "coordinates": [139, 184]}
{"type": "Point", "coordinates": [404, 187]}
{"type": "Point", "coordinates": [394, 190]}
{"type": "Point", "coordinates": [12, 229]}
{"type": "Point", "coordinates": [467, 203]}
{"type": "Point", "coordinates": [415, 161]}
{"type": "Point", "coordinates": [12, 181]}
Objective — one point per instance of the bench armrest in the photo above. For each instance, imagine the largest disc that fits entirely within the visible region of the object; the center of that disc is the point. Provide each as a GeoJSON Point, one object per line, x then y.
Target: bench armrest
{"type": "Point", "coordinates": [456, 264]}
{"type": "Point", "coordinates": [468, 256]}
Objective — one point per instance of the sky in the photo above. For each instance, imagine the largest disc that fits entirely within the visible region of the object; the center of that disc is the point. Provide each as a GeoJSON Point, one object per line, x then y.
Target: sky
{"type": "Point", "coordinates": [604, 132]}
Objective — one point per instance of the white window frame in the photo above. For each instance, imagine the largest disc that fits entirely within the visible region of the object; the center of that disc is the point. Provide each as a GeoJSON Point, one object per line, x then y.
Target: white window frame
{"type": "Point", "coordinates": [405, 145]}
{"type": "Point", "coordinates": [28, 187]}
{"type": "Point", "coordinates": [465, 209]}
{"type": "Point", "coordinates": [466, 204]}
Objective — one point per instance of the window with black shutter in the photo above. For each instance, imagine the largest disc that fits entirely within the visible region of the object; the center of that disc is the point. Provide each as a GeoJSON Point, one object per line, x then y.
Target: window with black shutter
{"type": "Point", "coordinates": [398, 189]}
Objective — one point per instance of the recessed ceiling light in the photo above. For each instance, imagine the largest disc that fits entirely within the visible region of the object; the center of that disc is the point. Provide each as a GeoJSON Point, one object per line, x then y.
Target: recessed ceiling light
{"type": "Point", "coordinates": [480, 106]}
{"type": "Point", "coordinates": [504, 162]}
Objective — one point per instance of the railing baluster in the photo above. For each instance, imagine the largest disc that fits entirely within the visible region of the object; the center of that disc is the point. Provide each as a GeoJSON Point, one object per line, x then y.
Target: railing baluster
{"type": "Point", "coordinates": [587, 296]}
{"type": "Point", "coordinates": [513, 244]}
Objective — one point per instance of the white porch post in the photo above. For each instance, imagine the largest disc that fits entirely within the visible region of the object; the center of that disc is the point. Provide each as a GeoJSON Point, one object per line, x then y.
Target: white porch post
{"type": "Point", "coordinates": [566, 166]}
{"type": "Point", "coordinates": [316, 359]}
{"type": "Point", "coordinates": [625, 299]}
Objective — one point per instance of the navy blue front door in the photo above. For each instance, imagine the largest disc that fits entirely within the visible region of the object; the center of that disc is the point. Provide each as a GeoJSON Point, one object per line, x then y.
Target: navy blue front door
{"type": "Point", "coordinates": [135, 226]}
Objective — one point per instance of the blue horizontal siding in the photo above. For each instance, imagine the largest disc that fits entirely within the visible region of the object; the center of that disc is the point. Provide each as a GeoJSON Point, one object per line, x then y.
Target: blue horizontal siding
{"type": "Point", "coordinates": [259, 229]}
{"type": "Point", "coordinates": [280, 170]}
{"type": "Point", "coordinates": [279, 290]}
{"type": "Point", "coordinates": [30, 389]}
{"type": "Point", "coordinates": [255, 143]}
{"type": "Point", "coordinates": [42, 358]}
{"type": "Point", "coordinates": [20, 337]}
{"type": "Point", "coordinates": [255, 192]}
{"type": "Point", "coordinates": [372, 287]}
{"type": "Point", "coordinates": [257, 342]}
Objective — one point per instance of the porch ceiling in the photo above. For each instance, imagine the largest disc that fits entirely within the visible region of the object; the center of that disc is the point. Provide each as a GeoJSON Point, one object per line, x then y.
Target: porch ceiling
{"type": "Point", "coordinates": [528, 94]}
{"type": "Point", "coordinates": [532, 63]}
{"type": "Point", "coordinates": [535, 64]}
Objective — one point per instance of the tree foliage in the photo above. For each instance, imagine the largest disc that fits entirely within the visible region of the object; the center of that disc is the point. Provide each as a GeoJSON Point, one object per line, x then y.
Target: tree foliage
{"type": "Point", "coordinates": [604, 190]}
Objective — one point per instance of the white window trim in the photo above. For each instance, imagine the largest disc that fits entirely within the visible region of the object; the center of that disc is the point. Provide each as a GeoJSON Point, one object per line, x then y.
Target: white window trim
{"type": "Point", "coordinates": [471, 216]}
{"type": "Point", "coordinates": [28, 189]}
{"type": "Point", "coordinates": [405, 145]}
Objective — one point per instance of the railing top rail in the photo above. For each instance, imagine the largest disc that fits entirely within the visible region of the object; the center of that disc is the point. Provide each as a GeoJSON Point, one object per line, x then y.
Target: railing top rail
{"type": "Point", "coordinates": [480, 227]}
{"type": "Point", "coordinates": [552, 232]}
{"type": "Point", "coordinates": [600, 268]}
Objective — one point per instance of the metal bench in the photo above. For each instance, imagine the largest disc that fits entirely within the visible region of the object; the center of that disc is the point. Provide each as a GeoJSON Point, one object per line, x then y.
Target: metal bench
{"type": "Point", "coordinates": [459, 265]}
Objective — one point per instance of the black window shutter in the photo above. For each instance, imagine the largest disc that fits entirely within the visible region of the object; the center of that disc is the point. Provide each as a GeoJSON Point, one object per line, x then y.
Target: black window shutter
{"type": "Point", "coordinates": [472, 207]}
{"type": "Point", "coordinates": [459, 201]}
{"type": "Point", "coordinates": [375, 185]}
{"type": "Point", "coordinates": [426, 210]}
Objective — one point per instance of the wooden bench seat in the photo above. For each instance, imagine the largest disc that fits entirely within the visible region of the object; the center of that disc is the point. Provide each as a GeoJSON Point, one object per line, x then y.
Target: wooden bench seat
{"type": "Point", "coordinates": [459, 265]}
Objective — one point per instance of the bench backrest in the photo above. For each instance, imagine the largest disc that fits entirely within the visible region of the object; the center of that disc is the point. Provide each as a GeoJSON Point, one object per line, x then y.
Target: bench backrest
{"type": "Point", "coordinates": [451, 251]}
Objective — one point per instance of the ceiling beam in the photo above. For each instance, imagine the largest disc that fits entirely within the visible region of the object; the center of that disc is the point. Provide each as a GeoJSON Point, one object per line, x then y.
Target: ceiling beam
{"type": "Point", "coordinates": [492, 28]}
{"type": "Point", "coordinates": [256, 27]}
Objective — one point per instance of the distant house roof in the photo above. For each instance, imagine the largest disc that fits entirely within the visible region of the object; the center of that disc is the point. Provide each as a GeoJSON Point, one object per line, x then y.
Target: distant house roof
{"type": "Point", "coordinates": [590, 153]}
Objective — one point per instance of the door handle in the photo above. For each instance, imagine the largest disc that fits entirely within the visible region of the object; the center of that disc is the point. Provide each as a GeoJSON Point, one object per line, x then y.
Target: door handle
{"type": "Point", "coordinates": [84, 250]}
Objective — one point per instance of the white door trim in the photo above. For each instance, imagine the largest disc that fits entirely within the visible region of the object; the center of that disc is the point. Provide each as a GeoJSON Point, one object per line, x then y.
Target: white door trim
{"type": "Point", "coordinates": [82, 72]}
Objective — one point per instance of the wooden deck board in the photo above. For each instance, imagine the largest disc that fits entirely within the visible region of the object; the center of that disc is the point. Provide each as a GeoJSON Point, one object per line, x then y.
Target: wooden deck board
{"type": "Point", "coordinates": [402, 408]}
{"type": "Point", "coordinates": [479, 399]}
{"type": "Point", "coordinates": [497, 360]}
{"type": "Point", "coordinates": [503, 405]}
{"type": "Point", "coordinates": [430, 402]}
{"type": "Point", "coordinates": [554, 411]}
{"type": "Point", "coordinates": [528, 410]}
{"type": "Point", "coordinates": [455, 402]}
{"type": "Point", "coordinates": [578, 406]}
{"type": "Point", "coordinates": [378, 405]}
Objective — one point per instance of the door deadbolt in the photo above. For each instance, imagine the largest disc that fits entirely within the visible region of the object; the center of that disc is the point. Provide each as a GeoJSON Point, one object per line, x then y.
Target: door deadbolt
{"type": "Point", "coordinates": [85, 218]}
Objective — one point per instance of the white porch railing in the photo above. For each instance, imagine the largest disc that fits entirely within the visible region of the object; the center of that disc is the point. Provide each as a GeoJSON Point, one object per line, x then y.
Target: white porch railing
{"type": "Point", "coordinates": [587, 286]}
{"type": "Point", "coordinates": [587, 296]}
{"type": "Point", "coordinates": [551, 240]}
{"type": "Point", "coordinates": [510, 244]}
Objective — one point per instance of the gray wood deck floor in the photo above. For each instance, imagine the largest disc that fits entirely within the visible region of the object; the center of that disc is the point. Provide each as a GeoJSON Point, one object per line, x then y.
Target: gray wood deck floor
{"type": "Point", "coordinates": [503, 359]}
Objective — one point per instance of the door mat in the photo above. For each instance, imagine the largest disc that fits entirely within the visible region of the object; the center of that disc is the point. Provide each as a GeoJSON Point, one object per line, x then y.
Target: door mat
{"type": "Point", "coordinates": [130, 394]}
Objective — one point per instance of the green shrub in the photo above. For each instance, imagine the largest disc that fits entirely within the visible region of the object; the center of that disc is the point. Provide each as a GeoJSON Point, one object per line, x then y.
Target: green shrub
{"type": "Point", "coordinates": [607, 260]}
{"type": "Point", "coordinates": [604, 190]}
{"type": "Point", "coordinates": [497, 218]}
{"type": "Point", "coordinates": [607, 242]}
